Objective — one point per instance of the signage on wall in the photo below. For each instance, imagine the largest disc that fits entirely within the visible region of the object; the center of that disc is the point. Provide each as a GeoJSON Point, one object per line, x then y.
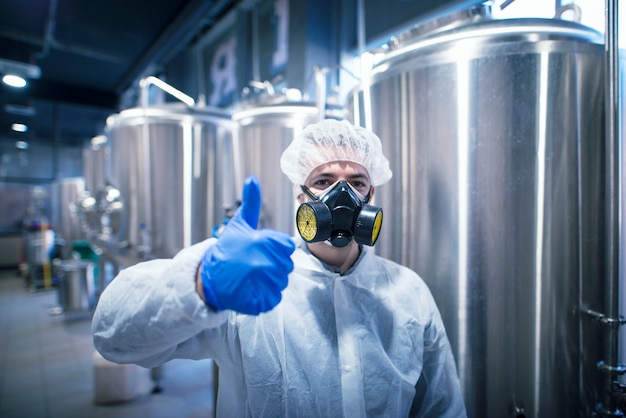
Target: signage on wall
{"type": "Point", "coordinates": [270, 41]}
{"type": "Point", "coordinates": [223, 73]}
{"type": "Point", "coordinates": [281, 36]}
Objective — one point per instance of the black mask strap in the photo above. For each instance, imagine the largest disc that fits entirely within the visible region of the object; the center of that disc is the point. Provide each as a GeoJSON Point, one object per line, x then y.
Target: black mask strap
{"type": "Point", "coordinates": [309, 193]}
{"type": "Point", "coordinates": [367, 197]}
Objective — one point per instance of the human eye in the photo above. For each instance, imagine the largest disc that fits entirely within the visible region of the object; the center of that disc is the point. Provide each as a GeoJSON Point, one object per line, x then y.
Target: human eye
{"type": "Point", "coordinates": [360, 186]}
{"type": "Point", "coordinates": [321, 184]}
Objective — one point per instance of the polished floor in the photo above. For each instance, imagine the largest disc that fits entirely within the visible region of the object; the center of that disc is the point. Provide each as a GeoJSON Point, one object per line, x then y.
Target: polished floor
{"type": "Point", "coordinates": [47, 366]}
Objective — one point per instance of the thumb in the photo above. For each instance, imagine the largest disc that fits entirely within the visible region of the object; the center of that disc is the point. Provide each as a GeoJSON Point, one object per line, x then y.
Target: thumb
{"type": "Point", "coordinates": [251, 201]}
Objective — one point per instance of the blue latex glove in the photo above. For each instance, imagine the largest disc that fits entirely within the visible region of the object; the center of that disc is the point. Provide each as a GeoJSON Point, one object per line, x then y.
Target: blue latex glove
{"type": "Point", "coordinates": [247, 269]}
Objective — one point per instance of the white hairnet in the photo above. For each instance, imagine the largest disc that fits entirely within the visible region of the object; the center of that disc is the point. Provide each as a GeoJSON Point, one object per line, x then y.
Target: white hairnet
{"type": "Point", "coordinates": [332, 140]}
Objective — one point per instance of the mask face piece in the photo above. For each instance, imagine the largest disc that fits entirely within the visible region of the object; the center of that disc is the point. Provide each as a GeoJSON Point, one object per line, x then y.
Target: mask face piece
{"type": "Point", "coordinates": [339, 214]}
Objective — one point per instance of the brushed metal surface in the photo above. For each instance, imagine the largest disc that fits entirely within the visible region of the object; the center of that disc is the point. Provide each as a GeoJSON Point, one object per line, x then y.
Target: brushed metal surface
{"type": "Point", "coordinates": [174, 168]}
{"type": "Point", "coordinates": [262, 132]}
{"type": "Point", "coordinates": [494, 131]}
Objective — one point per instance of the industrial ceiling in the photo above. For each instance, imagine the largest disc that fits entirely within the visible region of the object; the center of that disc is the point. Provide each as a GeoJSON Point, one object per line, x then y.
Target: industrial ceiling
{"type": "Point", "coordinates": [80, 56]}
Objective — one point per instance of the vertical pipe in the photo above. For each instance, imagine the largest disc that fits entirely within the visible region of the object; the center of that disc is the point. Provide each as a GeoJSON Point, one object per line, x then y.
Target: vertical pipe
{"type": "Point", "coordinates": [200, 74]}
{"type": "Point", "coordinates": [187, 127]}
{"type": "Point", "coordinates": [463, 76]}
{"type": "Point", "coordinates": [367, 116]}
{"type": "Point", "coordinates": [612, 189]}
{"type": "Point", "coordinates": [47, 271]}
{"type": "Point", "coordinates": [256, 71]}
{"type": "Point", "coordinates": [47, 274]}
{"type": "Point", "coordinates": [320, 92]}
{"type": "Point", "coordinates": [56, 142]}
{"type": "Point", "coordinates": [540, 231]}
{"type": "Point", "coordinates": [147, 209]}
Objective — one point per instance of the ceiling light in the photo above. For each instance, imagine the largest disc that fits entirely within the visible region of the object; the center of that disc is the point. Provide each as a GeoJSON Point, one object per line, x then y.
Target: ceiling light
{"type": "Point", "coordinates": [19, 127]}
{"type": "Point", "coordinates": [20, 110]}
{"type": "Point", "coordinates": [21, 68]}
{"type": "Point", "coordinates": [21, 145]}
{"type": "Point", "coordinates": [14, 80]}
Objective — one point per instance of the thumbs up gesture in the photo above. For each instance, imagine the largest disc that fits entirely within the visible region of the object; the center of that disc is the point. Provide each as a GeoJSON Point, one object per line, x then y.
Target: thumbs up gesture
{"type": "Point", "coordinates": [248, 268]}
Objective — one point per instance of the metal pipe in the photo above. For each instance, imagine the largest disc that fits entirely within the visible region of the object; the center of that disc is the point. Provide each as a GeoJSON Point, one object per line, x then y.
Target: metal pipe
{"type": "Point", "coordinates": [146, 82]}
{"type": "Point", "coordinates": [609, 366]}
{"type": "Point", "coordinates": [256, 71]}
{"type": "Point", "coordinates": [49, 29]}
{"type": "Point", "coordinates": [176, 36]}
{"type": "Point", "coordinates": [320, 91]}
{"type": "Point", "coordinates": [361, 40]}
{"type": "Point", "coordinates": [265, 86]}
{"type": "Point", "coordinates": [49, 40]}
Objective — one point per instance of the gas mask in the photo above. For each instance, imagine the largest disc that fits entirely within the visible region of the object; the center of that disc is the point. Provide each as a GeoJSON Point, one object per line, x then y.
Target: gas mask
{"type": "Point", "coordinates": [339, 214]}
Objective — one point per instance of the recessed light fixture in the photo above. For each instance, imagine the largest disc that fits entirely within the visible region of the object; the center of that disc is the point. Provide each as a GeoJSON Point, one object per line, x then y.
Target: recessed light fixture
{"type": "Point", "coordinates": [21, 110]}
{"type": "Point", "coordinates": [21, 144]}
{"type": "Point", "coordinates": [19, 127]}
{"type": "Point", "coordinates": [14, 80]}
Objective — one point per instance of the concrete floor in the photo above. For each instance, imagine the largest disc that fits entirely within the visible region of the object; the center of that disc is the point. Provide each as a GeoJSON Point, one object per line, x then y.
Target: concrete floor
{"type": "Point", "coordinates": [47, 367]}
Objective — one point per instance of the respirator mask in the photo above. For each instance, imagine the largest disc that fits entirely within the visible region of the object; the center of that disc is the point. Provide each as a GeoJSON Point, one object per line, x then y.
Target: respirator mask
{"type": "Point", "coordinates": [339, 214]}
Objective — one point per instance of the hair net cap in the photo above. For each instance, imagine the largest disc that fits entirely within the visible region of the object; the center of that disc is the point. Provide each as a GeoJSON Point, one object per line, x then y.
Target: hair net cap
{"type": "Point", "coordinates": [332, 140]}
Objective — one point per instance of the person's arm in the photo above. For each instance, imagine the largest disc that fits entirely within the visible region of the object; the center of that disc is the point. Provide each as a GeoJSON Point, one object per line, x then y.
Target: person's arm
{"type": "Point", "coordinates": [151, 312]}
{"type": "Point", "coordinates": [158, 310]}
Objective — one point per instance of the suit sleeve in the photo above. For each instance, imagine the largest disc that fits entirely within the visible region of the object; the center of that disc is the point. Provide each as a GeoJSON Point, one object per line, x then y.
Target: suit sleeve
{"type": "Point", "coordinates": [150, 313]}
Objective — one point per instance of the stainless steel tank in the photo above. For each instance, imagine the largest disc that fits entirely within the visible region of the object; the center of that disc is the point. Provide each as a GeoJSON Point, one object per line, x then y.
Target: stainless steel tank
{"type": "Point", "coordinates": [173, 167]}
{"type": "Point", "coordinates": [494, 130]}
{"type": "Point", "coordinates": [262, 131]}
{"type": "Point", "coordinates": [76, 285]}
{"type": "Point", "coordinates": [94, 164]}
{"type": "Point", "coordinates": [65, 194]}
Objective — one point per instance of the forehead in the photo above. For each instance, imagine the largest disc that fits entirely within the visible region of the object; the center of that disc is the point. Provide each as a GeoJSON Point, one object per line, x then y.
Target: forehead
{"type": "Point", "coordinates": [339, 170]}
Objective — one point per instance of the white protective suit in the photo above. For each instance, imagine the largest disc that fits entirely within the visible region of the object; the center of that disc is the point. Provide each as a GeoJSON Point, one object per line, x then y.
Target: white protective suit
{"type": "Point", "coordinates": [368, 343]}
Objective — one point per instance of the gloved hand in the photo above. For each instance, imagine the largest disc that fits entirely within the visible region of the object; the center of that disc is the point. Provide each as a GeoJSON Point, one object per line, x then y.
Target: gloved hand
{"type": "Point", "coordinates": [247, 269]}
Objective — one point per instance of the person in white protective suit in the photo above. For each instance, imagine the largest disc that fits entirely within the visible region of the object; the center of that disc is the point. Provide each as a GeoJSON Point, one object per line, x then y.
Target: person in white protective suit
{"type": "Point", "coordinates": [312, 326]}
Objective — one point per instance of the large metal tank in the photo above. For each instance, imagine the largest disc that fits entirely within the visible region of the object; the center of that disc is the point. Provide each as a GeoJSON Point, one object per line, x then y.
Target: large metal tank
{"type": "Point", "coordinates": [173, 167]}
{"type": "Point", "coordinates": [65, 194]}
{"type": "Point", "coordinates": [494, 130]}
{"type": "Point", "coordinates": [85, 206]}
{"type": "Point", "coordinates": [94, 164]}
{"type": "Point", "coordinates": [262, 131]}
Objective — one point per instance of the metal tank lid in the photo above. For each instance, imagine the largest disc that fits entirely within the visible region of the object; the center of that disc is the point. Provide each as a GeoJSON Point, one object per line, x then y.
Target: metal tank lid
{"type": "Point", "coordinates": [286, 103]}
{"type": "Point", "coordinates": [452, 20]}
{"type": "Point", "coordinates": [478, 22]}
{"type": "Point", "coordinates": [174, 112]}
{"type": "Point", "coordinates": [269, 97]}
